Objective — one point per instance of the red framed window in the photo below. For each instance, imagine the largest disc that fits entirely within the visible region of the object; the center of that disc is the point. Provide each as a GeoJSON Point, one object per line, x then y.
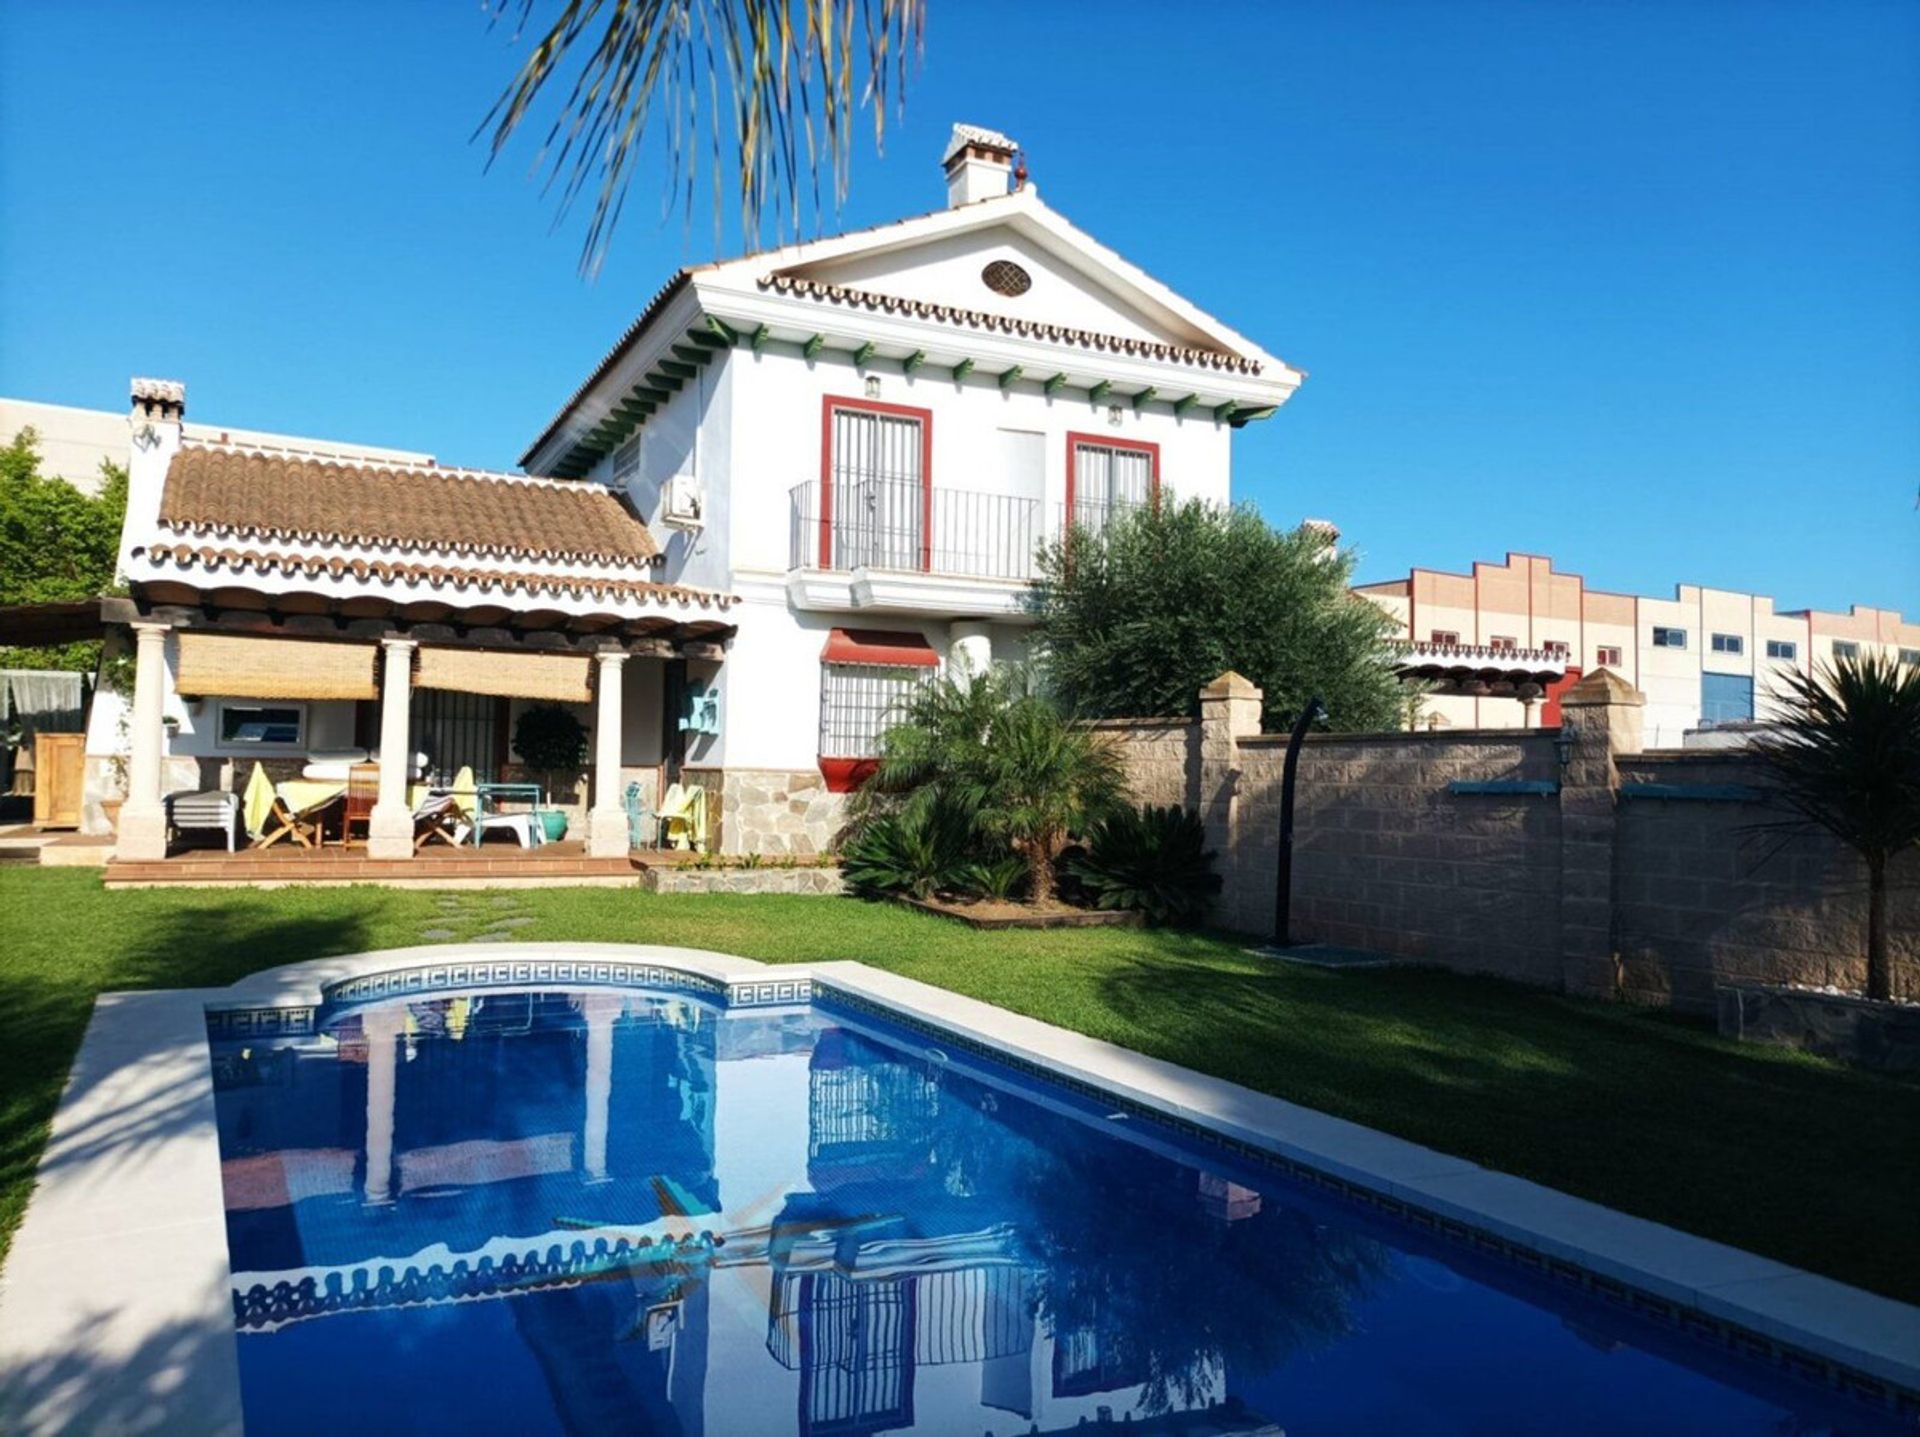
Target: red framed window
{"type": "Point", "coordinates": [876, 485]}
{"type": "Point", "coordinates": [866, 675]}
{"type": "Point", "coordinates": [1445, 639]}
{"type": "Point", "coordinates": [1107, 477]}
{"type": "Point", "coordinates": [1607, 656]}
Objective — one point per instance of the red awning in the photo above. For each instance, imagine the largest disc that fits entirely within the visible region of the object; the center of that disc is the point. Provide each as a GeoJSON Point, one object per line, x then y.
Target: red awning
{"type": "Point", "coordinates": [880, 646]}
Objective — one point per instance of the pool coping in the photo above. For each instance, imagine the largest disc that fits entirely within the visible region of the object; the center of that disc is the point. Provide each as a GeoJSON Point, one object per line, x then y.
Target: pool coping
{"type": "Point", "coordinates": [130, 1182]}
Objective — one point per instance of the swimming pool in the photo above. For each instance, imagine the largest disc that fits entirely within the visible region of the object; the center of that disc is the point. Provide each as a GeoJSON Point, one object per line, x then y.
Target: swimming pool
{"type": "Point", "coordinates": [585, 1209]}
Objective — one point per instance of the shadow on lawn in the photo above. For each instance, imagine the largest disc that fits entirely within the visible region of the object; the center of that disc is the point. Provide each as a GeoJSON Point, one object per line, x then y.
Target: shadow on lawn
{"type": "Point", "coordinates": [1635, 1109]}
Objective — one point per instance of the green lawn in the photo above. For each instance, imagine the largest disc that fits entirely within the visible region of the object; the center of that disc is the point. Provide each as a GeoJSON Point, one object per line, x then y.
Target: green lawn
{"type": "Point", "coordinates": [1783, 1154]}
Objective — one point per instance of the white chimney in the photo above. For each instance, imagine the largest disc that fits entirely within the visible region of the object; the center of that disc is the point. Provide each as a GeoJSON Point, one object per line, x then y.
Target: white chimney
{"type": "Point", "coordinates": [979, 163]}
{"type": "Point", "coordinates": [158, 409]}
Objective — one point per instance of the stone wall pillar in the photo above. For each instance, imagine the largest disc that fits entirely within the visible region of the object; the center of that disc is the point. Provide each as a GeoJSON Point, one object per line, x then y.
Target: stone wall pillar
{"type": "Point", "coordinates": [1230, 710]}
{"type": "Point", "coordinates": [143, 818]}
{"type": "Point", "coordinates": [1600, 719]}
{"type": "Point", "coordinates": [607, 835]}
{"type": "Point", "coordinates": [390, 825]}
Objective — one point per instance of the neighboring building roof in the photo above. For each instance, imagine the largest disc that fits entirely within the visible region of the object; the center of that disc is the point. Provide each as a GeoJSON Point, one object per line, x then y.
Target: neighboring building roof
{"type": "Point", "coordinates": [250, 492]}
{"type": "Point", "coordinates": [1006, 324]}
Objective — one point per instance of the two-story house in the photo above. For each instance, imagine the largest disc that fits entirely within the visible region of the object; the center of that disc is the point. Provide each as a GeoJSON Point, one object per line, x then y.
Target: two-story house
{"type": "Point", "coordinates": [798, 482]}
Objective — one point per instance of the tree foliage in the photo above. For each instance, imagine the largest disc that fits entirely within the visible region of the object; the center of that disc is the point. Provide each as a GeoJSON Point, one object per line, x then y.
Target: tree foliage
{"type": "Point", "coordinates": [1844, 754]}
{"type": "Point", "coordinates": [779, 84]}
{"type": "Point", "coordinates": [56, 544]}
{"type": "Point", "coordinates": [1133, 620]}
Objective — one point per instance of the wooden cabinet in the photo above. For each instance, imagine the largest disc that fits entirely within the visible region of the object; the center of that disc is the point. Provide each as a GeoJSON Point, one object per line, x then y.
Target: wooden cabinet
{"type": "Point", "coordinates": [59, 779]}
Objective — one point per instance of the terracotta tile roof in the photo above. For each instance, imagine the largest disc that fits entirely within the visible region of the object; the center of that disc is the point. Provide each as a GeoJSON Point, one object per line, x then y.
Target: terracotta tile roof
{"type": "Point", "coordinates": [1006, 324]}
{"type": "Point", "coordinates": [249, 493]}
{"type": "Point", "coordinates": [438, 576]}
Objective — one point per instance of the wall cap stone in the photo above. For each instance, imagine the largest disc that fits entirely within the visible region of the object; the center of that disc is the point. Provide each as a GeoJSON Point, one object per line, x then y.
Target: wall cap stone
{"type": "Point", "coordinates": [1231, 686]}
{"type": "Point", "coordinates": [1602, 686]}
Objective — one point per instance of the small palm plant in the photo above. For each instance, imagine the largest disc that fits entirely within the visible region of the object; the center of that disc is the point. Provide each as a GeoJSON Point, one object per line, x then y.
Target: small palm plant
{"type": "Point", "coordinates": [1845, 757]}
{"type": "Point", "coordinates": [992, 746]}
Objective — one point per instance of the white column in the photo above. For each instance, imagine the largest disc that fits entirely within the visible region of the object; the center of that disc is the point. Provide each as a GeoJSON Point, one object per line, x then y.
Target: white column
{"type": "Point", "coordinates": [607, 824]}
{"type": "Point", "coordinates": [143, 817]}
{"type": "Point", "coordinates": [600, 1010]}
{"type": "Point", "coordinates": [969, 648]}
{"type": "Point", "coordinates": [390, 827]}
{"type": "Point", "coordinates": [382, 1027]}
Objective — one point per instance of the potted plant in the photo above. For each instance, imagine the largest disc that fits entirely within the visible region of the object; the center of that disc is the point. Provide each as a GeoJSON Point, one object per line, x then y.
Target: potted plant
{"type": "Point", "coordinates": [552, 743]}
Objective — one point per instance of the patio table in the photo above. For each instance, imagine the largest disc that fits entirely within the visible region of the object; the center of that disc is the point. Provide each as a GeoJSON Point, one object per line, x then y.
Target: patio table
{"type": "Point", "coordinates": [530, 794]}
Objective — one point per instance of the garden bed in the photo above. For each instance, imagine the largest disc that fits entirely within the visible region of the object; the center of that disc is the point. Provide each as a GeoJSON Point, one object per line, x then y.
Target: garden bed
{"type": "Point", "coordinates": [992, 913]}
{"type": "Point", "coordinates": [1882, 1036]}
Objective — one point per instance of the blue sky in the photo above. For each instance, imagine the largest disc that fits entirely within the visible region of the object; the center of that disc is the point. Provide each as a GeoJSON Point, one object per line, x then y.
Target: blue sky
{"type": "Point", "coordinates": [1633, 284]}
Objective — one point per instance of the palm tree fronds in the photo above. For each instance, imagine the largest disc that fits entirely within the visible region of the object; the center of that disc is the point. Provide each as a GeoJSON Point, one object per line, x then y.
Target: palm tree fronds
{"type": "Point", "coordinates": [790, 88]}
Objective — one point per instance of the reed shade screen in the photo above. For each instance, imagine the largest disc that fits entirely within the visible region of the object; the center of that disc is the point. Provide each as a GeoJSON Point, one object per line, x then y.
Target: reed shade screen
{"type": "Point", "coordinates": [241, 667]}
{"type": "Point", "coordinates": [560, 678]}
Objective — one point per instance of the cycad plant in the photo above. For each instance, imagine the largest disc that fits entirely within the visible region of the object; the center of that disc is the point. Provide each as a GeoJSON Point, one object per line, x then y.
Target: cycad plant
{"type": "Point", "coordinates": [1844, 754]}
{"type": "Point", "coordinates": [1149, 860]}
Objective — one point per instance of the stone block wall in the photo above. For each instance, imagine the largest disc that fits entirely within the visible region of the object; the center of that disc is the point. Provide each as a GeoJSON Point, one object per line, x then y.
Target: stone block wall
{"type": "Point", "coordinates": [775, 811]}
{"type": "Point", "coordinates": [1708, 893]}
{"type": "Point", "coordinates": [1589, 887]}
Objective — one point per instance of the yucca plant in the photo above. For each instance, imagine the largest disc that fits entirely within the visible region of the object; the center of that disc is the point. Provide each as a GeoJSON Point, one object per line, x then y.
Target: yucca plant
{"type": "Point", "coordinates": [1844, 755]}
{"type": "Point", "coordinates": [1149, 860]}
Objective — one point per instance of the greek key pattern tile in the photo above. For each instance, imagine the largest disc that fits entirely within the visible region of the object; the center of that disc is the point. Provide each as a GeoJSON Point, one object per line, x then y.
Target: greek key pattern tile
{"type": "Point", "coordinates": [519, 973]}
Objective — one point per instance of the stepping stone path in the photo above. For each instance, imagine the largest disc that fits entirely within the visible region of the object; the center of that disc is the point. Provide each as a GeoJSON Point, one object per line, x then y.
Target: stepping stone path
{"type": "Point", "coordinates": [478, 910]}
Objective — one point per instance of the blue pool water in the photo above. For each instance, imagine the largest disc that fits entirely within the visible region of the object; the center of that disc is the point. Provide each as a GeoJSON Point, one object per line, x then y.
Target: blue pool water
{"type": "Point", "coordinates": [619, 1212]}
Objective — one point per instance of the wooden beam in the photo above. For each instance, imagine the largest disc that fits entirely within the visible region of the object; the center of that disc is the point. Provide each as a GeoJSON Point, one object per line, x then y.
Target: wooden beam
{"type": "Point", "coordinates": [698, 358]}
{"type": "Point", "coordinates": [677, 368]}
{"type": "Point", "coordinates": [666, 383]}
{"type": "Point", "coordinates": [1008, 376]}
{"type": "Point", "coordinates": [1223, 411]}
{"type": "Point", "coordinates": [814, 345]}
{"type": "Point", "coordinates": [719, 329]}
{"type": "Point", "coordinates": [963, 369]}
{"type": "Point", "coordinates": [913, 361]}
{"type": "Point", "coordinates": [760, 336]}
{"type": "Point", "coordinates": [1253, 412]}
{"type": "Point", "coordinates": [1182, 405]}
{"type": "Point", "coordinates": [648, 395]}
{"type": "Point", "coordinates": [1053, 383]}
{"type": "Point", "coordinates": [1144, 398]}
{"type": "Point", "coordinates": [862, 355]}
{"type": "Point", "coordinates": [1098, 393]}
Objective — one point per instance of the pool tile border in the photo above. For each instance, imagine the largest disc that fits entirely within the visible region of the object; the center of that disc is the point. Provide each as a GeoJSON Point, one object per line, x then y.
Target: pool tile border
{"type": "Point", "coordinates": [1849, 1339]}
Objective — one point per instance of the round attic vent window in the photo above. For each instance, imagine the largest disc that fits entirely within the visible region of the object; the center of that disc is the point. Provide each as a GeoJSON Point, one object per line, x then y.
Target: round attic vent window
{"type": "Point", "coordinates": [1003, 276]}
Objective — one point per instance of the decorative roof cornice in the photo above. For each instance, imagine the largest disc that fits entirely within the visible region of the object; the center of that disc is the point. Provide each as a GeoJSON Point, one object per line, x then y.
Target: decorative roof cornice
{"type": "Point", "coordinates": [1006, 324]}
{"type": "Point", "coordinates": [434, 576]}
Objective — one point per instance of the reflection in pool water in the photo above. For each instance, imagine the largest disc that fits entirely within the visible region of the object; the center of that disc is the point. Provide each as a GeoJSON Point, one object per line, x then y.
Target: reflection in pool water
{"type": "Point", "coordinates": [604, 1212]}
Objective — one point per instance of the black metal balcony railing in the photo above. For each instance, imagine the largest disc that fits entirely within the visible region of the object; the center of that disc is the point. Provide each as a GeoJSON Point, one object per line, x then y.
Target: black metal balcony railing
{"type": "Point", "coordinates": [904, 526]}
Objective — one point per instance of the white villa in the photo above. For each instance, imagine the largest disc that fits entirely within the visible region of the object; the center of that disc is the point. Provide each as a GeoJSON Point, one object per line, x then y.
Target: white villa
{"type": "Point", "coordinates": [799, 480]}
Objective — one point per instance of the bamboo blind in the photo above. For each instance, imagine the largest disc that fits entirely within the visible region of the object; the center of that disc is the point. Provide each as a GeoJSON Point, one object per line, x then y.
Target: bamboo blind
{"type": "Point", "coordinates": [561, 678]}
{"type": "Point", "coordinates": [242, 667]}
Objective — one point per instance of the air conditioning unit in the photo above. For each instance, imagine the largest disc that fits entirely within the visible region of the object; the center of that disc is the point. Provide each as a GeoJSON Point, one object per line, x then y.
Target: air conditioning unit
{"type": "Point", "coordinates": [685, 502]}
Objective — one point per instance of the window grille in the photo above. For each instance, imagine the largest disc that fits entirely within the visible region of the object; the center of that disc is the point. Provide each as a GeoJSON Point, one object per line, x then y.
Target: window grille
{"type": "Point", "coordinates": [879, 490]}
{"type": "Point", "coordinates": [1109, 480]}
{"type": "Point", "coordinates": [859, 701]}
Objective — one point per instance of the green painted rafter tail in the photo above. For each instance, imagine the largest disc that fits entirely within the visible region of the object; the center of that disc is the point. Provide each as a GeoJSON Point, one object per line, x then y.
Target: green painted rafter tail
{"type": "Point", "coordinates": [1098, 393]}
{"type": "Point", "coordinates": [1053, 383]}
{"type": "Point", "coordinates": [721, 330]}
{"type": "Point", "coordinates": [814, 345]}
{"type": "Point", "coordinates": [862, 355]}
{"type": "Point", "coordinates": [661, 380]}
{"type": "Point", "coordinates": [1247, 416]}
{"type": "Point", "coordinates": [913, 361]}
{"type": "Point", "coordinates": [693, 355]}
{"type": "Point", "coordinates": [963, 369]}
{"type": "Point", "coordinates": [1181, 406]}
{"type": "Point", "coordinates": [760, 337]}
{"type": "Point", "coordinates": [1008, 376]}
{"type": "Point", "coordinates": [677, 368]}
{"type": "Point", "coordinates": [1223, 411]}
{"type": "Point", "coordinates": [1144, 398]}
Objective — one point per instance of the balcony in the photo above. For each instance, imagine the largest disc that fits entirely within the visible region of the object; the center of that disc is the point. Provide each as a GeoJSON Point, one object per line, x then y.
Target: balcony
{"type": "Point", "coordinates": [898, 546]}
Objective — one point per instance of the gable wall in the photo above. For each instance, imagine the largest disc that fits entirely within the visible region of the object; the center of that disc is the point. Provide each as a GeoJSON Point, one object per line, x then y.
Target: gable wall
{"type": "Point", "coordinates": [947, 271]}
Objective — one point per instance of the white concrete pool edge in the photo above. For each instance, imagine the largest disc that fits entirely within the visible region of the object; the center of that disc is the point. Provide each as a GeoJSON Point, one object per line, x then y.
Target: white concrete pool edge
{"type": "Point", "coordinates": [115, 1302]}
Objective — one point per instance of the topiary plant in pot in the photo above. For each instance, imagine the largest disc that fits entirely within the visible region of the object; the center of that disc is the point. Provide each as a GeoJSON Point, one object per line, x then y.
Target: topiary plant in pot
{"type": "Point", "coordinates": [552, 743]}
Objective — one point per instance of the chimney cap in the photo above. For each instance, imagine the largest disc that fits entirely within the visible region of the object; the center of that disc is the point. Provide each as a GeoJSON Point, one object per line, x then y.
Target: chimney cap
{"type": "Point", "coordinates": [965, 136]}
{"type": "Point", "coordinates": [163, 391]}
{"type": "Point", "coordinates": [1321, 528]}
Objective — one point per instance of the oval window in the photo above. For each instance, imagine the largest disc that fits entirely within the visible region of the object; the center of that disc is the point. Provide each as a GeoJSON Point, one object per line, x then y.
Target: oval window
{"type": "Point", "coordinates": [1003, 276]}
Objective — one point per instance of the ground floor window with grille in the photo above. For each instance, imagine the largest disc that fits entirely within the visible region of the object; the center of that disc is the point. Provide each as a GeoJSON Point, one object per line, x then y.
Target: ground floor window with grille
{"type": "Point", "coordinates": [867, 677]}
